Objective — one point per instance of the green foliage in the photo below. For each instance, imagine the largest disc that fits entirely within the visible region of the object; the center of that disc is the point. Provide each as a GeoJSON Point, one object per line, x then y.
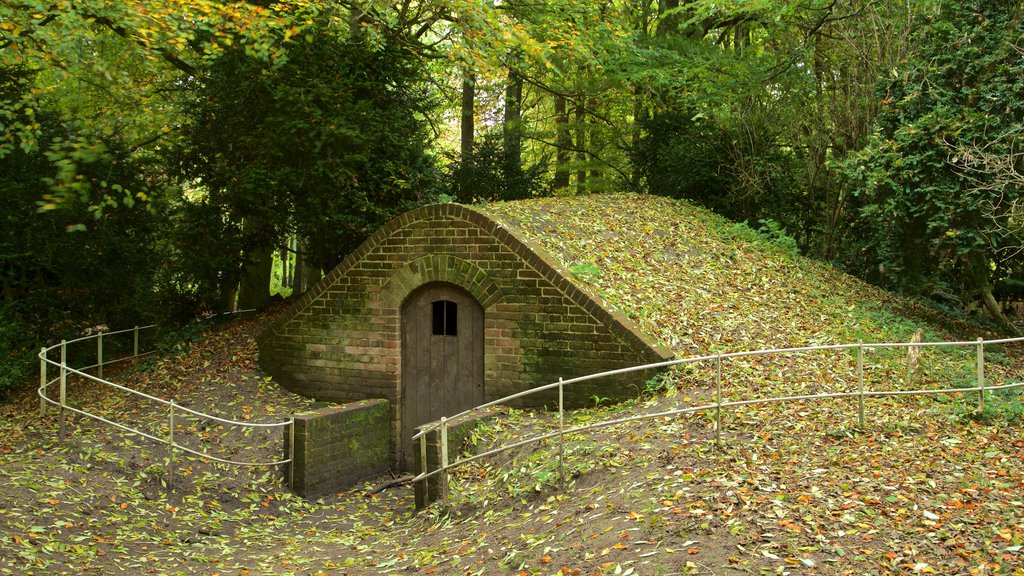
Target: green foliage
{"type": "Point", "coordinates": [586, 271]}
{"type": "Point", "coordinates": [329, 143]}
{"type": "Point", "coordinates": [935, 222]}
{"type": "Point", "coordinates": [1001, 406]}
{"type": "Point", "coordinates": [684, 155]}
{"type": "Point", "coordinates": [16, 353]}
{"type": "Point", "coordinates": [776, 235]}
{"type": "Point", "coordinates": [770, 232]}
{"type": "Point", "coordinates": [494, 173]}
{"type": "Point", "coordinates": [201, 249]}
{"type": "Point", "coordinates": [63, 270]}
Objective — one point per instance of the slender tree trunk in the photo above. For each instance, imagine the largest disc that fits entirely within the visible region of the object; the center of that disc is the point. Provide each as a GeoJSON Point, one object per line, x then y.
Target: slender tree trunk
{"type": "Point", "coordinates": [670, 21]}
{"type": "Point", "coordinates": [467, 117]}
{"type": "Point", "coordinates": [563, 141]}
{"type": "Point", "coordinates": [285, 264]}
{"type": "Point", "coordinates": [299, 274]}
{"type": "Point", "coordinates": [313, 274]}
{"type": "Point", "coordinates": [227, 296]}
{"type": "Point", "coordinates": [596, 175]}
{"type": "Point", "coordinates": [638, 116]}
{"type": "Point", "coordinates": [513, 118]}
{"type": "Point", "coordinates": [355, 20]}
{"type": "Point", "coordinates": [581, 146]}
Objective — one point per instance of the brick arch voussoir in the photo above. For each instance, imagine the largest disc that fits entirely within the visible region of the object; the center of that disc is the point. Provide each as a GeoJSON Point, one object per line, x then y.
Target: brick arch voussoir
{"type": "Point", "coordinates": [440, 268]}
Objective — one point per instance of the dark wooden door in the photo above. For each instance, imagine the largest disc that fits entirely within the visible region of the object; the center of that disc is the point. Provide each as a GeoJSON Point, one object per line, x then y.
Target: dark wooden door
{"type": "Point", "coordinates": [442, 358]}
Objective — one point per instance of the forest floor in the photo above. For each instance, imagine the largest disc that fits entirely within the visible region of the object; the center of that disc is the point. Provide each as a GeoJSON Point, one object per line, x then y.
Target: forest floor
{"type": "Point", "coordinates": [925, 487]}
{"type": "Point", "coordinates": [793, 489]}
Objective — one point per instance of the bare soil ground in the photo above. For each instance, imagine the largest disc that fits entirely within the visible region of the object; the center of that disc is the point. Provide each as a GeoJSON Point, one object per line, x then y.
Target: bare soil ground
{"type": "Point", "coordinates": [792, 489]}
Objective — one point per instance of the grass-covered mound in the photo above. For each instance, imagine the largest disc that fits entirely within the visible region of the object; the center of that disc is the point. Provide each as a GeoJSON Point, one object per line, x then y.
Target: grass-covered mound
{"type": "Point", "coordinates": [797, 488]}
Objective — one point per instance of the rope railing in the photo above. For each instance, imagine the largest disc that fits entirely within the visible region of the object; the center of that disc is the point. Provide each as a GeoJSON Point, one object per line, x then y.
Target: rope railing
{"type": "Point", "coordinates": [861, 393]}
{"type": "Point", "coordinates": [174, 410]}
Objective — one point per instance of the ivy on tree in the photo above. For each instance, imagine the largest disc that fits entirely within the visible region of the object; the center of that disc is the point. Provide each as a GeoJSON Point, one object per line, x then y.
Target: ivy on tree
{"type": "Point", "coordinates": [935, 226]}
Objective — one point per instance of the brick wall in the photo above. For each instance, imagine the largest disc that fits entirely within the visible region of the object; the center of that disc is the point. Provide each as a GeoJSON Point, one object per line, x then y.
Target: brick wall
{"type": "Point", "coordinates": [341, 340]}
{"type": "Point", "coordinates": [336, 447]}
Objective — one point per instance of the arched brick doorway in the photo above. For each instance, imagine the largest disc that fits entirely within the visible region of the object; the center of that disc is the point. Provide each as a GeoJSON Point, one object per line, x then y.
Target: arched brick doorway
{"type": "Point", "coordinates": [442, 357]}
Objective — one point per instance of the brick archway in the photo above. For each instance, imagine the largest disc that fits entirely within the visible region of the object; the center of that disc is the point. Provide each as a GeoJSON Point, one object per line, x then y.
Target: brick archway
{"type": "Point", "coordinates": [440, 268]}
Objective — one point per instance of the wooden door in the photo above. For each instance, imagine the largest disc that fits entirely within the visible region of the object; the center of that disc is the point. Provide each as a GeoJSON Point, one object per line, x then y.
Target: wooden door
{"type": "Point", "coordinates": [442, 358]}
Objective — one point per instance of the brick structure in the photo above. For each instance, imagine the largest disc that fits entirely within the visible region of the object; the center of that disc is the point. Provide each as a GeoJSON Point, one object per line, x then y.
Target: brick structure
{"type": "Point", "coordinates": [337, 447]}
{"type": "Point", "coordinates": [343, 340]}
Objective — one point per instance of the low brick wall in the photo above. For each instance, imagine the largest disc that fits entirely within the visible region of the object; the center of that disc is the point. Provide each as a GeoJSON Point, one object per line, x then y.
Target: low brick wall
{"type": "Point", "coordinates": [459, 430]}
{"type": "Point", "coordinates": [337, 447]}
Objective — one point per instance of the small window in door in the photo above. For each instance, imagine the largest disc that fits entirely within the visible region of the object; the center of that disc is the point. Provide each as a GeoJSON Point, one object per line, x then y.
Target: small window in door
{"type": "Point", "coordinates": [446, 318]}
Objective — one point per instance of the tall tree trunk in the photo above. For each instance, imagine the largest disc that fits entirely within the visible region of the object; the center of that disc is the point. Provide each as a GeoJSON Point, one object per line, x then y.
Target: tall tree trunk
{"type": "Point", "coordinates": [355, 20]}
{"type": "Point", "coordinates": [254, 291]}
{"type": "Point", "coordinates": [285, 264]}
{"type": "Point", "coordinates": [313, 274]}
{"type": "Point", "coordinates": [596, 175]}
{"type": "Point", "coordinates": [638, 116]}
{"type": "Point", "coordinates": [563, 141]}
{"type": "Point", "coordinates": [670, 21]}
{"type": "Point", "coordinates": [299, 274]}
{"type": "Point", "coordinates": [228, 290]}
{"type": "Point", "coordinates": [581, 146]}
{"type": "Point", "coordinates": [513, 118]}
{"type": "Point", "coordinates": [467, 117]}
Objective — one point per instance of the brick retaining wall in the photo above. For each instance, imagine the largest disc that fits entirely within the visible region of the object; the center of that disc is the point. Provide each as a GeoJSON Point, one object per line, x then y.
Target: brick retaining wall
{"type": "Point", "coordinates": [337, 447]}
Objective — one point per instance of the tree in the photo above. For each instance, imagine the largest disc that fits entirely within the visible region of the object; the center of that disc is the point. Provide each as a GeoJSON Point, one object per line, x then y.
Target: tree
{"type": "Point", "coordinates": [329, 142]}
{"type": "Point", "coordinates": [938, 226]}
{"type": "Point", "coordinates": [96, 59]}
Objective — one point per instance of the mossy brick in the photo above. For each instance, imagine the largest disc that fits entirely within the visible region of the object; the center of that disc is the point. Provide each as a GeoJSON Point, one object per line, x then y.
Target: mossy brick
{"type": "Point", "coordinates": [329, 344]}
{"type": "Point", "coordinates": [336, 447]}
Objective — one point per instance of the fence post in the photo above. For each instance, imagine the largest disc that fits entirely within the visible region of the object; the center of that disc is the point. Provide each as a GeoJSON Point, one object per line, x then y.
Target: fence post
{"type": "Point", "coordinates": [423, 454]}
{"type": "Point", "coordinates": [99, 355]}
{"type": "Point", "coordinates": [135, 346]}
{"type": "Point", "coordinates": [63, 386]}
{"type": "Point", "coordinates": [718, 401]}
{"type": "Point", "coordinates": [860, 384]}
{"type": "Point", "coordinates": [442, 478]}
{"type": "Point", "coordinates": [170, 434]}
{"type": "Point", "coordinates": [561, 433]}
{"type": "Point", "coordinates": [981, 375]}
{"type": "Point", "coordinates": [291, 452]}
{"type": "Point", "coordinates": [42, 381]}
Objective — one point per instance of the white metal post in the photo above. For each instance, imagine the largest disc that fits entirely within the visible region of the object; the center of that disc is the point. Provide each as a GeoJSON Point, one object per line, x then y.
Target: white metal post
{"type": "Point", "coordinates": [291, 452]}
{"type": "Point", "coordinates": [423, 453]}
{"type": "Point", "coordinates": [718, 401]}
{"type": "Point", "coordinates": [42, 381]}
{"type": "Point", "coordinates": [860, 384]}
{"type": "Point", "coordinates": [63, 386]}
{"type": "Point", "coordinates": [444, 443]}
{"type": "Point", "coordinates": [981, 375]}
{"type": "Point", "coordinates": [561, 432]}
{"type": "Point", "coordinates": [170, 438]}
{"type": "Point", "coordinates": [99, 355]}
{"type": "Point", "coordinates": [442, 478]}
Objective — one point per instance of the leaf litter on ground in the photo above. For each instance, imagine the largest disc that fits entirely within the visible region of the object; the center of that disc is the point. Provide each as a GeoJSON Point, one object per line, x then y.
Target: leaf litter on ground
{"type": "Point", "coordinates": [794, 488]}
